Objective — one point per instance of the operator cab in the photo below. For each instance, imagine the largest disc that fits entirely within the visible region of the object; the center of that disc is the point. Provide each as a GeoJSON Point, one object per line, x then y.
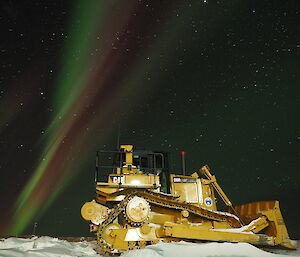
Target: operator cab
{"type": "Point", "coordinates": [145, 167]}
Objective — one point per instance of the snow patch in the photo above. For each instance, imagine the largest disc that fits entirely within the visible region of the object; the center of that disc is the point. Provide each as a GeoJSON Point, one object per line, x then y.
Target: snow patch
{"type": "Point", "coordinates": [44, 247]}
{"type": "Point", "coordinates": [53, 247]}
{"type": "Point", "coordinates": [200, 250]}
{"type": "Point", "coordinates": [242, 229]}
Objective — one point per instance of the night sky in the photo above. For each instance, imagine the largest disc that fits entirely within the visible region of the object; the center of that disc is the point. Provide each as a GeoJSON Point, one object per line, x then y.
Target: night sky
{"type": "Point", "coordinates": [218, 79]}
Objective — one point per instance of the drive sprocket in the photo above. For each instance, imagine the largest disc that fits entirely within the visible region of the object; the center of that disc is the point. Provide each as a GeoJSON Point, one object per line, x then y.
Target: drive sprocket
{"type": "Point", "coordinates": [137, 211]}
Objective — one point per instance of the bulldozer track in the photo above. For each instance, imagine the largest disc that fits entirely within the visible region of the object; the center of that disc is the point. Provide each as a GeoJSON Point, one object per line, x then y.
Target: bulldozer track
{"type": "Point", "coordinates": [107, 248]}
{"type": "Point", "coordinates": [158, 199]}
{"type": "Point", "coordinates": [161, 200]}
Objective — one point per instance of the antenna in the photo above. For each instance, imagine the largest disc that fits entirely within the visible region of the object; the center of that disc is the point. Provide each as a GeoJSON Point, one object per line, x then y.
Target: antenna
{"type": "Point", "coordinates": [118, 137]}
{"type": "Point", "coordinates": [96, 166]}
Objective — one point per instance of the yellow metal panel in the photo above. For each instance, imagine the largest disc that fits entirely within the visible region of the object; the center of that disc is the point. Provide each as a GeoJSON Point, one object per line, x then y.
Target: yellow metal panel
{"type": "Point", "coordinates": [187, 191]}
{"type": "Point", "coordinates": [186, 187]}
{"type": "Point", "coordinates": [132, 179]}
{"type": "Point", "coordinates": [208, 197]}
{"type": "Point", "coordinates": [159, 218]}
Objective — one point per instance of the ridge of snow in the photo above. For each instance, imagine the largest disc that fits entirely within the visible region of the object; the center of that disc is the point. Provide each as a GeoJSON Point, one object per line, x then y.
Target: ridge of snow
{"type": "Point", "coordinates": [53, 247]}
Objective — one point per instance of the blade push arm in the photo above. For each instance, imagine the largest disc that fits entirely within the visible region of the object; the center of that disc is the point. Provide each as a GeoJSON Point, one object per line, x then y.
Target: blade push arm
{"type": "Point", "coordinates": [206, 172]}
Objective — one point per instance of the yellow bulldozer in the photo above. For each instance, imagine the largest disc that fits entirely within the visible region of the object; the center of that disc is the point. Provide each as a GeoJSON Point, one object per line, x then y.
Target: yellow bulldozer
{"type": "Point", "coordinates": [142, 204]}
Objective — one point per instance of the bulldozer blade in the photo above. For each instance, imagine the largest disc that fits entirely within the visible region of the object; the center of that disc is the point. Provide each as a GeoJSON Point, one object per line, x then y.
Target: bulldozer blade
{"type": "Point", "coordinates": [270, 211]}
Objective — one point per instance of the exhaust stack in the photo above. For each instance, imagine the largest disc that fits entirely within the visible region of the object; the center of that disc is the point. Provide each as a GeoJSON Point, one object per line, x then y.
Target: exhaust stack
{"type": "Point", "coordinates": [182, 153]}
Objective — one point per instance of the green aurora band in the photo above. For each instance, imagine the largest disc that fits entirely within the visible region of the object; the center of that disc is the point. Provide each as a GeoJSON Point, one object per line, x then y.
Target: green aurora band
{"type": "Point", "coordinates": [75, 88]}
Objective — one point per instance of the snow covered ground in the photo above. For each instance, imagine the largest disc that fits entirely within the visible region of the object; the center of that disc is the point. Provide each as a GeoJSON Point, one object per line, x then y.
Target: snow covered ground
{"type": "Point", "coordinates": [203, 250]}
{"type": "Point", "coordinates": [53, 247]}
{"type": "Point", "coordinates": [44, 247]}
